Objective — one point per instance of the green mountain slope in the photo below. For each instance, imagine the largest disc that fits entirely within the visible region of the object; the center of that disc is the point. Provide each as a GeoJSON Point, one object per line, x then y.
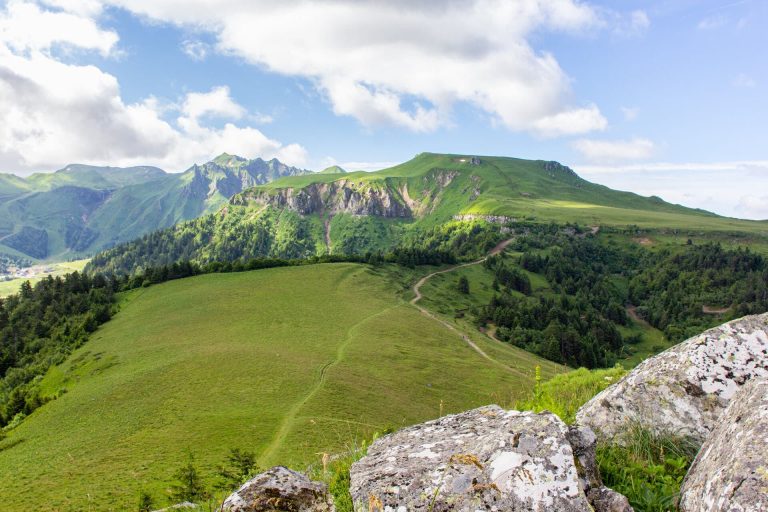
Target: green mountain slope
{"type": "Point", "coordinates": [357, 212]}
{"type": "Point", "coordinates": [273, 361]}
{"type": "Point", "coordinates": [81, 209]}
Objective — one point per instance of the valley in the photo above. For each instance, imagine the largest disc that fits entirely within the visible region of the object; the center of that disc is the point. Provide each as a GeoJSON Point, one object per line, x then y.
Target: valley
{"type": "Point", "coordinates": [286, 362]}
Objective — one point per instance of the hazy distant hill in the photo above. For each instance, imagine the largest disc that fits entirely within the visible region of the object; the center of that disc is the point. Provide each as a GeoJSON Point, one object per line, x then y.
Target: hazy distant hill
{"type": "Point", "coordinates": [81, 209]}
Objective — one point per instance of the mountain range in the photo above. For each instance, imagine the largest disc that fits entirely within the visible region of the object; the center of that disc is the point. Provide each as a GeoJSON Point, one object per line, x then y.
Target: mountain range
{"type": "Point", "coordinates": [341, 212]}
{"type": "Point", "coordinates": [81, 209]}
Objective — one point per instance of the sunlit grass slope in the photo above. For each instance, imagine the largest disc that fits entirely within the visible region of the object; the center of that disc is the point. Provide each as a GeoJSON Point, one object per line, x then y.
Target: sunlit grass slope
{"type": "Point", "coordinates": [529, 189]}
{"type": "Point", "coordinates": [287, 362]}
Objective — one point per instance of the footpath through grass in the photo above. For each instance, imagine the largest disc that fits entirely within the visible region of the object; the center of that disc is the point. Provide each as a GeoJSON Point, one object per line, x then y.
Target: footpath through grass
{"type": "Point", "coordinates": [287, 362]}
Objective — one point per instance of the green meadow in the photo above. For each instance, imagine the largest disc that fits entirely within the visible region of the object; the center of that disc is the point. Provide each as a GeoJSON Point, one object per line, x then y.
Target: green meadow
{"type": "Point", "coordinates": [288, 363]}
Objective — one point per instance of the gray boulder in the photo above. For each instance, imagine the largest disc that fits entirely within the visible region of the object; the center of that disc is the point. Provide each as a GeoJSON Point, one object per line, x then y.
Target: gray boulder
{"type": "Point", "coordinates": [282, 489]}
{"type": "Point", "coordinates": [730, 472]}
{"type": "Point", "coordinates": [685, 389]}
{"type": "Point", "coordinates": [484, 459]}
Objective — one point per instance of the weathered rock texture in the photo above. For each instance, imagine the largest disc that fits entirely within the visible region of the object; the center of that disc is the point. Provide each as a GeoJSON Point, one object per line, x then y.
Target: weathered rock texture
{"type": "Point", "coordinates": [685, 389]}
{"type": "Point", "coordinates": [731, 471]}
{"type": "Point", "coordinates": [388, 197]}
{"type": "Point", "coordinates": [484, 459]}
{"type": "Point", "coordinates": [280, 488]}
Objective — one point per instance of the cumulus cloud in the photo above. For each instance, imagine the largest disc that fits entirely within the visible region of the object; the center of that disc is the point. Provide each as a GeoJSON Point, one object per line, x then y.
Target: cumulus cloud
{"type": "Point", "coordinates": [55, 113]}
{"type": "Point", "coordinates": [217, 103]}
{"type": "Point", "coordinates": [25, 27]}
{"type": "Point", "coordinates": [405, 63]}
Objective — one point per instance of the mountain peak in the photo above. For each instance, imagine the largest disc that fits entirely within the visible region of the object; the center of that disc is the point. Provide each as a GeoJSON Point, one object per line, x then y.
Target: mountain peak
{"type": "Point", "coordinates": [334, 169]}
{"type": "Point", "coordinates": [225, 159]}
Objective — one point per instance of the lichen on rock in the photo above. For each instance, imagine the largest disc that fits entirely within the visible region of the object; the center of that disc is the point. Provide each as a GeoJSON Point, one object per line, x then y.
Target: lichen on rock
{"type": "Point", "coordinates": [483, 459]}
{"type": "Point", "coordinates": [730, 472]}
{"type": "Point", "coordinates": [684, 390]}
{"type": "Point", "coordinates": [280, 489]}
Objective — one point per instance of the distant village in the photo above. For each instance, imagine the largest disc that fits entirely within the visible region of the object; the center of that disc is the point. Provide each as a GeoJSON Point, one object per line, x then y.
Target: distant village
{"type": "Point", "coordinates": [11, 272]}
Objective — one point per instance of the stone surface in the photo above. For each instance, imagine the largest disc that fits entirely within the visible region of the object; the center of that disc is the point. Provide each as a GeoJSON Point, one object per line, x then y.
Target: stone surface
{"type": "Point", "coordinates": [603, 499]}
{"type": "Point", "coordinates": [281, 489]}
{"type": "Point", "coordinates": [685, 389]}
{"type": "Point", "coordinates": [484, 459]}
{"type": "Point", "coordinates": [730, 472]}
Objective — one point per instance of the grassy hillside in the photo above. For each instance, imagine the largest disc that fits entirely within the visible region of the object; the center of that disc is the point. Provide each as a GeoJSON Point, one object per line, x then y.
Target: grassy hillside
{"type": "Point", "coordinates": [534, 189]}
{"type": "Point", "coordinates": [287, 362]}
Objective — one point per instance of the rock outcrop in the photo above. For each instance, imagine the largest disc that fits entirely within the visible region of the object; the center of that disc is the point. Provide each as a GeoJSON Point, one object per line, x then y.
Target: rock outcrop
{"type": "Point", "coordinates": [280, 488]}
{"type": "Point", "coordinates": [684, 390]}
{"type": "Point", "coordinates": [484, 459]}
{"type": "Point", "coordinates": [340, 196]}
{"type": "Point", "coordinates": [730, 472]}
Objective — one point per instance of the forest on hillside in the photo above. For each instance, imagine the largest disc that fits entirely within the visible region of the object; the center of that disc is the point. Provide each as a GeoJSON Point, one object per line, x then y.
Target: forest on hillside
{"type": "Point", "coordinates": [576, 318]}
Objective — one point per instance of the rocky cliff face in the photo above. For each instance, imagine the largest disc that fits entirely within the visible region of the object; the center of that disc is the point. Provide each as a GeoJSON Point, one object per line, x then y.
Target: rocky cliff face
{"type": "Point", "coordinates": [390, 197]}
{"type": "Point", "coordinates": [230, 174]}
{"type": "Point", "coordinates": [342, 196]}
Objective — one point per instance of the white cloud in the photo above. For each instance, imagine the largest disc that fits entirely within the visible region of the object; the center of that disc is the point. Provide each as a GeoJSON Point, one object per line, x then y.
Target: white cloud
{"type": "Point", "coordinates": [615, 150]}
{"type": "Point", "coordinates": [405, 63]}
{"type": "Point", "coordinates": [216, 103]}
{"type": "Point", "coordinates": [632, 24]}
{"type": "Point", "coordinates": [25, 27]}
{"type": "Point", "coordinates": [56, 113]}
{"type": "Point", "coordinates": [712, 22]}
{"type": "Point", "coordinates": [195, 50]}
{"type": "Point", "coordinates": [630, 113]}
{"type": "Point", "coordinates": [744, 80]}
{"type": "Point", "coordinates": [571, 122]}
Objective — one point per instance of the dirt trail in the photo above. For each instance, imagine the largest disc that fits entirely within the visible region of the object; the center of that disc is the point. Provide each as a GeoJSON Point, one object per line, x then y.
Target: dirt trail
{"type": "Point", "coordinates": [417, 292]}
{"type": "Point", "coordinates": [632, 312]}
{"type": "Point", "coordinates": [290, 418]}
{"type": "Point", "coordinates": [710, 310]}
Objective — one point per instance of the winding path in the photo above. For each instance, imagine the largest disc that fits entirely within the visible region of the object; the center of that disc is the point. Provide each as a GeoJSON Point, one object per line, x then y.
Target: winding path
{"type": "Point", "coordinates": [290, 418]}
{"type": "Point", "coordinates": [417, 292]}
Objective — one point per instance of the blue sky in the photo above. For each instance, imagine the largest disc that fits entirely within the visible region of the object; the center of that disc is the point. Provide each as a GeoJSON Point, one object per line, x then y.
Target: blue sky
{"type": "Point", "coordinates": [658, 97]}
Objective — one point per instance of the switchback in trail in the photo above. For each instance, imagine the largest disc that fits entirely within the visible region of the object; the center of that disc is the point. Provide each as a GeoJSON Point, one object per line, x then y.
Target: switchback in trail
{"type": "Point", "coordinates": [417, 297]}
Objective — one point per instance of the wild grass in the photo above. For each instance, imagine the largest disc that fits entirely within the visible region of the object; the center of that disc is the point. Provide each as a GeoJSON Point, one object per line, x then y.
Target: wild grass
{"type": "Point", "coordinates": [563, 394]}
{"type": "Point", "coordinates": [647, 467]}
{"type": "Point", "coordinates": [288, 363]}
